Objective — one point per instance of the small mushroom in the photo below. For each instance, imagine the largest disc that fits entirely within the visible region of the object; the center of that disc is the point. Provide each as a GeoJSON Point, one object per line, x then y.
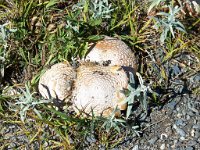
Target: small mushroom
{"type": "Point", "coordinates": [99, 89]}
{"type": "Point", "coordinates": [112, 51]}
{"type": "Point", "coordinates": [57, 82]}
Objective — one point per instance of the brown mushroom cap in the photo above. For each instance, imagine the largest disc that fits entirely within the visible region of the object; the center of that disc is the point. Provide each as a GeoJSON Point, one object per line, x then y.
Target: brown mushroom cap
{"type": "Point", "coordinates": [113, 50]}
{"type": "Point", "coordinates": [57, 81]}
{"type": "Point", "coordinates": [99, 88]}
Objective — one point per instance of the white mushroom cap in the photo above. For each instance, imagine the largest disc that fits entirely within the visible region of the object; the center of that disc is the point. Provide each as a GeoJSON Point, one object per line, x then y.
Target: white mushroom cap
{"type": "Point", "coordinates": [57, 81]}
{"type": "Point", "coordinates": [113, 50]}
{"type": "Point", "coordinates": [99, 88]}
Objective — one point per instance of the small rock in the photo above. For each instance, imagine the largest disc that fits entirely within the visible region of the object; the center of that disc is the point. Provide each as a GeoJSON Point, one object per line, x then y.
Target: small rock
{"type": "Point", "coordinates": [192, 108]}
{"type": "Point", "coordinates": [91, 139]}
{"type": "Point", "coordinates": [179, 115]}
{"type": "Point", "coordinates": [192, 143]}
{"type": "Point", "coordinates": [197, 78]}
{"type": "Point", "coordinates": [174, 144]}
{"type": "Point", "coordinates": [189, 148]}
{"type": "Point", "coordinates": [190, 113]}
{"type": "Point", "coordinates": [162, 147]}
{"type": "Point", "coordinates": [182, 138]}
{"type": "Point", "coordinates": [192, 132]}
{"type": "Point", "coordinates": [115, 149]}
{"type": "Point", "coordinates": [142, 141]}
{"type": "Point", "coordinates": [136, 147]}
{"type": "Point", "coordinates": [153, 140]}
{"type": "Point", "coordinates": [187, 117]}
{"type": "Point", "coordinates": [45, 144]}
{"type": "Point", "coordinates": [180, 131]}
{"type": "Point", "coordinates": [196, 126]}
{"type": "Point", "coordinates": [184, 112]}
{"type": "Point", "coordinates": [70, 140]}
{"type": "Point", "coordinates": [172, 105]}
{"type": "Point", "coordinates": [11, 146]}
{"type": "Point", "coordinates": [198, 140]}
{"type": "Point", "coordinates": [101, 147]}
{"type": "Point", "coordinates": [178, 109]}
{"type": "Point", "coordinates": [180, 122]}
{"type": "Point", "coordinates": [168, 130]}
{"type": "Point", "coordinates": [197, 134]}
{"type": "Point", "coordinates": [163, 136]}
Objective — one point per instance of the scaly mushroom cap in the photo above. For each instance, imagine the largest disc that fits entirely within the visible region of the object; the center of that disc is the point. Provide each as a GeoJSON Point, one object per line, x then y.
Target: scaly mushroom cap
{"type": "Point", "coordinates": [99, 88]}
{"type": "Point", "coordinates": [113, 50]}
{"type": "Point", "coordinates": [57, 81]}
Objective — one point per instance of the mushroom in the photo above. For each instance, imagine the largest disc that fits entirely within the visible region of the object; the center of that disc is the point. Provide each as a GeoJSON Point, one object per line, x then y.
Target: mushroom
{"type": "Point", "coordinates": [99, 89]}
{"type": "Point", "coordinates": [57, 82]}
{"type": "Point", "coordinates": [93, 87]}
{"type": "Point", "coordinates": [113, 51]}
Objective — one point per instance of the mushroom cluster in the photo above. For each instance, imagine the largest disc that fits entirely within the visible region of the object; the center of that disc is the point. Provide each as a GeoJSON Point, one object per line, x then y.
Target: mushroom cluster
{"type": "Point", "coordinates": [93, 87]}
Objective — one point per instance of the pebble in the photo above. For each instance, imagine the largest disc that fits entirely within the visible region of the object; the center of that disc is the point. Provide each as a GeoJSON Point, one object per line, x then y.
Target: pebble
{"type": "Point", "coordinates": [168, 130]}
{"type": "Point", "coordinates": [162, 147]}
{"type": "Point", "coordinates": [45, 144]}
{"type": "Point", "coordinates": [172, 105]}
{"type": "Point", "coordinates": [178, 109]}
{"type": "Point", "coordinates": [180, 131]}
{"type": "Point", "coordinates": [184, 112]}
{"type": "Point", "coordinates": [189, 148]}
{"type": "Point", "coordinates": [179, 115]}
{"type": "Point", "coordinates": [180, 122]}
{"type": "Point", "coordinates": [102, 148]}
{"type": "Point", "coordinates": [136, 147]}
{"type": "Point", "coordinates": [35, 146]}
{"type": "Point", "coordinates": [196, 126]}
{"type": "Point", "coordinates": [127, 142]}
{"type": "Point", "coordinates": [192, 143]}
{"type": "Point", "coordinates": [115, 149]}
{"type": "Point", "coordinates": [70, 140]}
{"type": "Point", "coordinates": [197, 78]}
{"type": "Point", "coordinates": [187, 117]}
{"type": "Point", "coordinates": [153, 140]}
{"type": "Point", "coordinates": [182, 138]}
{"type": "Point", "coordinates": [191, 113]}
{"type": "Point", "coordinates": [12, 145]}
{"type": "Point", "coordinates": [197, 134]}
{"type": "Point", "coordinates": [192, 132]}
{"type": "Point", "coordinates": [192, 108]}
{"type": "Point", "coordinates": [90, 139]}
{"type": "Point", "coordinates": [163, 136]}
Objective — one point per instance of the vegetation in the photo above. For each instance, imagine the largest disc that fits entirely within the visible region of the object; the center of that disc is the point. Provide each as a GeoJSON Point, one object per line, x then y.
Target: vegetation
{"type": "Point", "coordinates": [34, 34]}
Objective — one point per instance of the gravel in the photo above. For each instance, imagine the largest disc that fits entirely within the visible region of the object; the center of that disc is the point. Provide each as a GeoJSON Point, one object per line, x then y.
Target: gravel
{"type": "Point", "coordinates": [181, 129]}
{"type": "Point", "coordinates": [175, 125]}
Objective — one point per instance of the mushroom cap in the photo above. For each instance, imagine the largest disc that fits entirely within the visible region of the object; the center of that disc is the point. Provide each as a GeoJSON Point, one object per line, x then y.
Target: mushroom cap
{"type": "Point", "coordinates": [57, 82]}
{"type": "Point", "coordinates": [99, 89]}
{"type": "Point", "coordinates": [113, 50]}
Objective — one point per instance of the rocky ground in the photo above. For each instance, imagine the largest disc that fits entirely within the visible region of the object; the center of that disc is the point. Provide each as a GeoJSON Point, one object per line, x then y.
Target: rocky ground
{"type": "Point", "coordinates": [173, 124]}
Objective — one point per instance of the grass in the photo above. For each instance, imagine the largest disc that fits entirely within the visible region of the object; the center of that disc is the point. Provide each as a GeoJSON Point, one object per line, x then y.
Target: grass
{"type": "Point", "coordinates": [38, 33]}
